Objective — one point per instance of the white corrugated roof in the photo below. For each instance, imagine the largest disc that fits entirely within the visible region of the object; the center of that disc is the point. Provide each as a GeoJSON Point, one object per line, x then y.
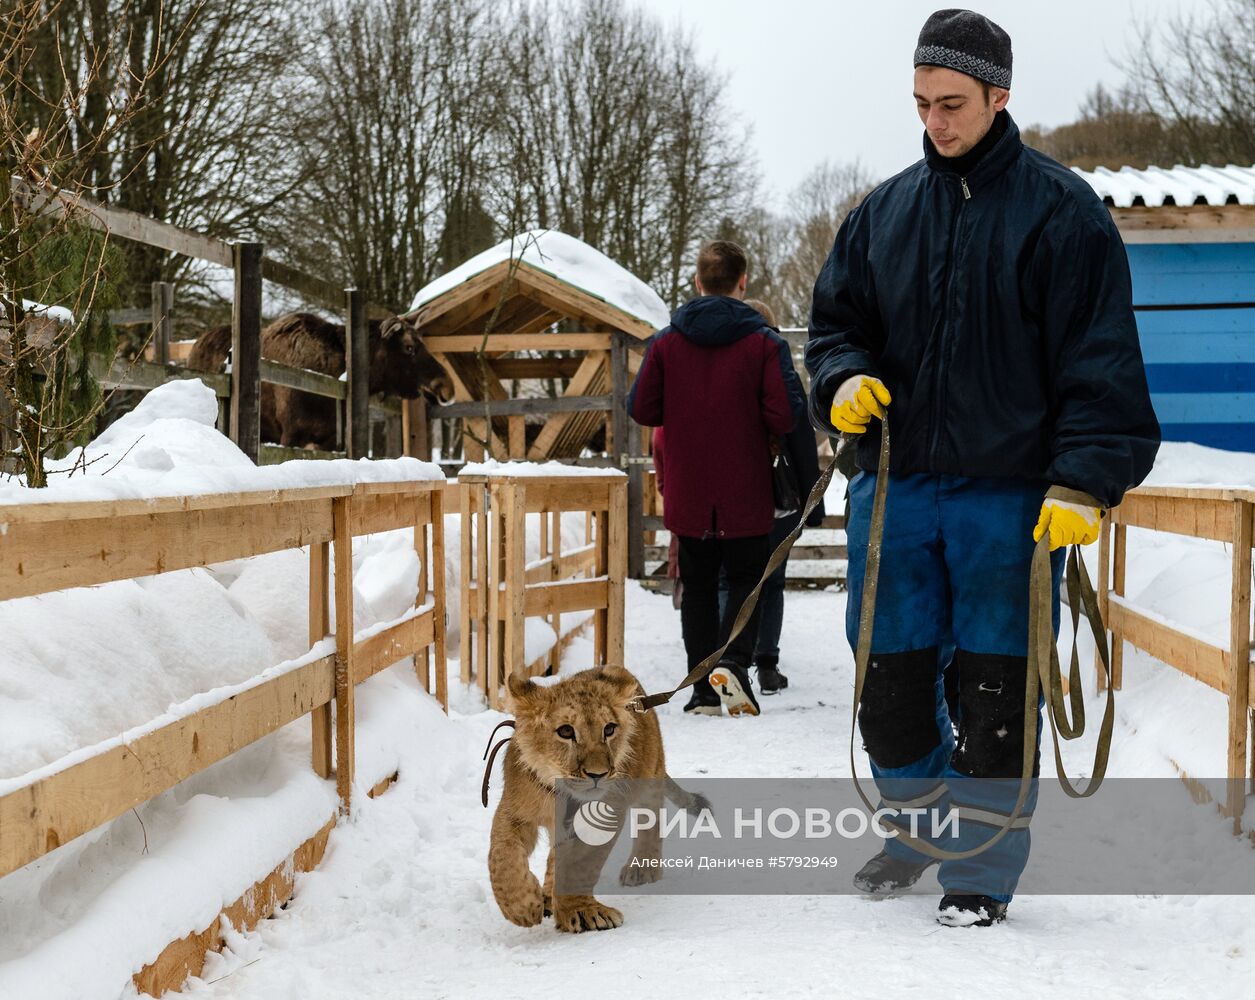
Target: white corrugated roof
{"type": "Point", "coordinates": [1157, 186]}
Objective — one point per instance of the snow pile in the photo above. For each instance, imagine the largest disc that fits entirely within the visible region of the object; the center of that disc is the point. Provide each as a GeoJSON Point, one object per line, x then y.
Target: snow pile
{"type": "Point", "coordinates": [494, 469]}
{"type": "Point", "coordinates": [569, 260]}
{"type": "Point", "coordinates": [1183, 464]}
{"type": "Point", "coordinates": [168, 446]}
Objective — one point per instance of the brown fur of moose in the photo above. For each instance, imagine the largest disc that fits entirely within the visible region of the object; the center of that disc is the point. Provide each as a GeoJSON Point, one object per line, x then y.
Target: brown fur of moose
{"type": "Point", "coordinates": [399, 366]}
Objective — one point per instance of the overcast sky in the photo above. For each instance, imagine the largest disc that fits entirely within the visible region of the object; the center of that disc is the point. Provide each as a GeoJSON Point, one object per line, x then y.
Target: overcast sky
{"type": "Point", "coordinates": [832, 79]}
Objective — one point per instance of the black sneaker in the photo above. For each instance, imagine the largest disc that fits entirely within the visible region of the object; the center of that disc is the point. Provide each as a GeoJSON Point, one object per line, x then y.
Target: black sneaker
{"type": "Point", "coordinates": [704, 701]}
{"type": "Point", "coordinates": [731, 682]}
{"type": "Point", "coordinates": [884, 875]}
{"type": "Point", "coordinates": [970, 911]}
{"type": "Point", "coordinates": [770, 680]}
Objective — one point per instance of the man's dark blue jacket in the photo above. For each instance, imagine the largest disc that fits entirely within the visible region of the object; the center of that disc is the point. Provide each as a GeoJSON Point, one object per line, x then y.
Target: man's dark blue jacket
{"type": "Point", "coordinates": [720, 382]}
{"type": "Point", "coordinates": [997, 308]}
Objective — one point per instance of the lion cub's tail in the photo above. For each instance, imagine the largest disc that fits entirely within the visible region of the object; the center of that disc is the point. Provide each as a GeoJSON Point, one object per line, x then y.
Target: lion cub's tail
{"type": "Point", "coordinates": [688, 801]}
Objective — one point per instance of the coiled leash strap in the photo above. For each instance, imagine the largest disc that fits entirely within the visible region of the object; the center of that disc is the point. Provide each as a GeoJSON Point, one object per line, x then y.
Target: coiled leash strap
{"type": "Point", "coordinates": [1042, 662]}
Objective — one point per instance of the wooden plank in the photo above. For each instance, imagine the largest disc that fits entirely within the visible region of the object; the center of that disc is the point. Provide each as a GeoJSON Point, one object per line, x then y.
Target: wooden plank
{"type": "Point", "coordinates": [602, 569]}
{"type": "Point", "coordinates": [1189, 654]}
{"type": "Point", "coordinates": [357, 374]}
{"type": "Point", "coordinates": [1118, 564]}
{"type": "Point", "coordinates": [591, 379]}
{"type": "Point", "coordinates": [389, 512]}
{"type": "Point", "coordinates": [394, 643]}
{"type": "Point", "coordinates": [119, 373]}
{"type": "Point", "coordinates": [468, 577]}
{"type": "Point", "coordinates": [618, 445]}
{"type": "Point", "coordinates": [123, 222]}
{"type": "Point", "coordinates": [1193, 516]}
{"type": "Point", "coordinates": [484, 580]}
{"type": "Point", "coordinates": [471, 343]}
{"type": "Point", "coordinates": [556, 558]}
{"type": "Point", "coordinates": [320, 627]}
{"type": "Point", "coordinates": [39, 817]}
{"type": "Point", "coordinates": [246, 350]}
{"type": "Point", "coordinates": [617, 556]}
{"type": "Point", "coordinates": [36, 559]}
{"type": "Point", "coordinates": [1104, 589]}
{"type": "Point", "coordinates": [568, 493]}
{"type": "Point", "coordinates": [76, 510]}
{"type": "Point", "coordinates": [316, 383]}
{"type": "Point", "coordinates": [416, 429]}
{"type": "Point", "coordinates": [517, 437]}
{"type": "Point", "coordinates": [1186, 224]}
{"type": "Point", "coordinates": [182, 959]}
{"type": "Point", "coordinates": [325, 293]}
{"type": "Point", "coordinates": [439, 649]}
{"type": "Point", "coordinates": [345, 672]}
{"type": "Point", "coordinates": [1239, 660]}
{"type": "Point", "coordinates": [515, 407]}
{"type": "Point", "coordinates": [528, 368]}
{"type": "Point", "coordinates": [494, 552]}
{"type": "Point", "coordinates": [561, 597]}
{"type": "Point", "coordinates": [572, 301]}
{"type": "Point", "coordinates": [513, 603]}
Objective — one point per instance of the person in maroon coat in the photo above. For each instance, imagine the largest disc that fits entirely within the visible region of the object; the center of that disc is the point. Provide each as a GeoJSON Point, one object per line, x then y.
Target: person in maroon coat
{"type": "Point", "coordinates": [720, 382]}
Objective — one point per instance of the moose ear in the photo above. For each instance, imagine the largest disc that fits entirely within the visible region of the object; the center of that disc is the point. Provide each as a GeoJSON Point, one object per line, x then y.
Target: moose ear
{"type": "Point", "coordinates": [626, 686]}
{"type": "Point", "coordinates": [390, 328]}
{"type": "Point", "coordinates": [522, 691]}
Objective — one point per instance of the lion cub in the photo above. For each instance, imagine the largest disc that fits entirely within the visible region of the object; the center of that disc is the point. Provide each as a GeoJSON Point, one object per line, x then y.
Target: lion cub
{"type": "Point", "coordinates": [580, 730]}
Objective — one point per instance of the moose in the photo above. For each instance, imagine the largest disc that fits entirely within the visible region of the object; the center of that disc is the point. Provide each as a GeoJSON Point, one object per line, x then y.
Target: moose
{"type": "Point", "coordinates": [399, 366]}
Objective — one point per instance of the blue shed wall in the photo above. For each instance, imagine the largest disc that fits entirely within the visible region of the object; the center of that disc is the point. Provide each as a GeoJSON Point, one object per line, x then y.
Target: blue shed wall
{"type": "Point", "coordinates": [1200, 361]}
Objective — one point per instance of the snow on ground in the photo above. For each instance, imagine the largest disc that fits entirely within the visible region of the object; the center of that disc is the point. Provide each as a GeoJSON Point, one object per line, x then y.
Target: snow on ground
{"type": "Point", "coordinates": [569, 260]}
{"type": "Point", "coordinates": [402, 907]}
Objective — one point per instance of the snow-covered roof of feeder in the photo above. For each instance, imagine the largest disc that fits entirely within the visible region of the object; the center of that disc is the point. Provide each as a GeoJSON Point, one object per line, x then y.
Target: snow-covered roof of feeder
{"type": "Point", "coordinates": [1179, 204]}
{"type": "Point", "coordinates": [1155, 186]}
{"type": "Point", "coordinates": [556, 271]}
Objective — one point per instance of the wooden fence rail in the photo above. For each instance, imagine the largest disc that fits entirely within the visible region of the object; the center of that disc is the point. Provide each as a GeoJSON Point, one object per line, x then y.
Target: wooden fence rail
{"type": "Point", "coordinates": [500, 589]}
{"type": "Point", "coordinates": [54, 546]}
{"type": "Point", "coordinates": [1225, 515]}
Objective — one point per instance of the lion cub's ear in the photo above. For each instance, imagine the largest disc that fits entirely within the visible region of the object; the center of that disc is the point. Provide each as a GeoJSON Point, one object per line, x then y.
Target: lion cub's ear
{"type": "Point", "coordinates": [522, 691]}
{"type": "Point", "coordinates": [626, 686]}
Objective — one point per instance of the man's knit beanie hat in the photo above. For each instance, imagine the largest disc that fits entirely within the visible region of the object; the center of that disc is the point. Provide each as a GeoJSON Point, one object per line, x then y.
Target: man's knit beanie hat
{"type": "Point", "coordinates": [968, 42]}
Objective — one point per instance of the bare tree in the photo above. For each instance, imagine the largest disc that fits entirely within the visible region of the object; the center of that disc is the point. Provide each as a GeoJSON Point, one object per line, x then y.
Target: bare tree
{"type": "Point", "coordinates": [54, 138]}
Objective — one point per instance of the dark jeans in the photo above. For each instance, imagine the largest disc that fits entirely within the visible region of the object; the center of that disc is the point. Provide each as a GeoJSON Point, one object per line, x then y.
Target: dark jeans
{"type": "Point", "coordinates": [701, 561]}
{"type": "Point", "coordinates": [770, 598]}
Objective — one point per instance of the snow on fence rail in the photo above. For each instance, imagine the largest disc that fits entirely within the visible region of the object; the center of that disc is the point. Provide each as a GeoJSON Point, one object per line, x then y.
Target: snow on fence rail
{"type": "Point", "coordinates": [500, 589]}
{"type": "Point", "coordinates": [1225, 515]}
{"type": "Point", "coordinates": [53, 546]}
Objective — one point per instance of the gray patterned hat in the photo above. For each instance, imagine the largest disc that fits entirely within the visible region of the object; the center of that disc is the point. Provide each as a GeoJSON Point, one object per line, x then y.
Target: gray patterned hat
{"type": "Point", "coordinates": [968, 42]}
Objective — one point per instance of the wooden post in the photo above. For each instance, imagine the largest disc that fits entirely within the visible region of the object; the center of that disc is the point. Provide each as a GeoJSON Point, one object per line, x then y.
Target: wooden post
{"type": "Point", "coordinates": [422, 661]}
{"type": "Point", "coordinates": [616, 571]}
{"type": "Point", "coordinates": [485, 580]}
{"type": "Point", "coordinates": [319, 627]}
{"type": "Point", "coordinates": [436, 580]}
{"type": "Point", "coordinates": [555, 573]}
{"type": "Point", "coordinates": [1117, 586]}
{"type": "Point", "coordinates": [600, 616]}
{"type": "Point", "coordinates": [415, 429]}
{"type": "Point", "coordinates": [1104, 587]}
{"type": "Point", "coordinates": [618, 445]}
{"type": "Point", "coordinates": [495, 658]}
{"type": "Point", "coordinates": [246, 350]}
{"type": "Point", "coordinates": [514, 541]}
{"type": "Point", "coordinates": [517, 435]}
{"type": "Point", "coordinates": [357, 377]}
{"type": "Point", "coordinates": [163, 308]}
{"type": "Point", "coordinates": [342, 527]}
{"type": "Point", "coordinates": [470, 563]}
{"type": "Point", "coordinates": [1239, 659]}
{"type": "Point", "coordinates": [624, 451]}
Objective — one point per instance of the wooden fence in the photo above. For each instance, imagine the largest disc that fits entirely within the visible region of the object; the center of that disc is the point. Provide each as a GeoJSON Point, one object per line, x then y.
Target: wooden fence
{"type": "Point", "coordinates": [1224, 515]}
{"type": "Point", "coordinates": [240, 392]}
{"type": "Point", "coordinates": [500, 589]}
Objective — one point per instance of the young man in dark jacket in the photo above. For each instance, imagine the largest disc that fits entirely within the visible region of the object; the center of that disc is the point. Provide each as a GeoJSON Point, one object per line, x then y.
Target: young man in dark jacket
{"type": "Point", "coordinates": [719, 381]}
{"type": "Point", "coordinates": [979, 301]}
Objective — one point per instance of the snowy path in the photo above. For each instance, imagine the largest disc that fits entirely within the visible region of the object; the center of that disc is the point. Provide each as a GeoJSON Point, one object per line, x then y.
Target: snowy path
{"type": "Point", "coordinates": [401, 907]}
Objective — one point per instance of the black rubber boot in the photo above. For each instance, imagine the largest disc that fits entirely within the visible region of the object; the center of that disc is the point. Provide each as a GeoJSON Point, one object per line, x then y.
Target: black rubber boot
{"type": "Point", "coordinates": [770, 680]}
{"type": "Point", "coordinates": [970, 911]}
{"type": "Point", "coordinates": [704, 700]}
{"type": "Point", "coordinates": [884, 875]}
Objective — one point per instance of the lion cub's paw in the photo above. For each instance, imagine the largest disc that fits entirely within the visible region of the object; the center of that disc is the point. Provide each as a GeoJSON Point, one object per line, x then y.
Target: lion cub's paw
{"type": "Point", "coordinates": [526, 910]}
{"type": "Point", "coordinates": [639, 874]}
{"type": "Point", "coordinates": [586, 915]}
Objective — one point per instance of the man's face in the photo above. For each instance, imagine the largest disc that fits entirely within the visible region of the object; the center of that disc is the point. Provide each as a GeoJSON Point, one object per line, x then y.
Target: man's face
{"type": "Point", "coordinates": [954, 108]}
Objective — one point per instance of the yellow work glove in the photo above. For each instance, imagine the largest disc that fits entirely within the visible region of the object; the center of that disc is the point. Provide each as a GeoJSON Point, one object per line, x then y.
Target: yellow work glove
{"type": "Point", "coordinates": [1067, 523]}
{"type": "Point", "coordinates": [857, 400]}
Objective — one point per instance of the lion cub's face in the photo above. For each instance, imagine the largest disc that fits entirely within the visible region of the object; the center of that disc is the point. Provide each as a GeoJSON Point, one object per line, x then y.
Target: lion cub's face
{"type": "Point", "coordinates": [579, 730]}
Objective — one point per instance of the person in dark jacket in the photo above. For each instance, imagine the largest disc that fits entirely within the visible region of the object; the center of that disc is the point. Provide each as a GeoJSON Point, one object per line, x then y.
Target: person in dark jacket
{"type": "Point", "coordinates": [800, 448]}
{"type": "Point", "coordinates": [980, 302]}
{"type": "Point", "coordinates": [719, 381]}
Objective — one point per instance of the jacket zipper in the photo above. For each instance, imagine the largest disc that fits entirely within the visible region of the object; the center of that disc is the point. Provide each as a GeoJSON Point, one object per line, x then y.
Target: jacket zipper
{"type": "Point", "coordinates": [943, 351]}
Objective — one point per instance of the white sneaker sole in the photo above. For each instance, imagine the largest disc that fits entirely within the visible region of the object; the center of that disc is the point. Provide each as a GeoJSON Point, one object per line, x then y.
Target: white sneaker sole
{"type": "Point", "coordinates": [729, 689]}
{"type": "Point", "coordinates": [705, 710]}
